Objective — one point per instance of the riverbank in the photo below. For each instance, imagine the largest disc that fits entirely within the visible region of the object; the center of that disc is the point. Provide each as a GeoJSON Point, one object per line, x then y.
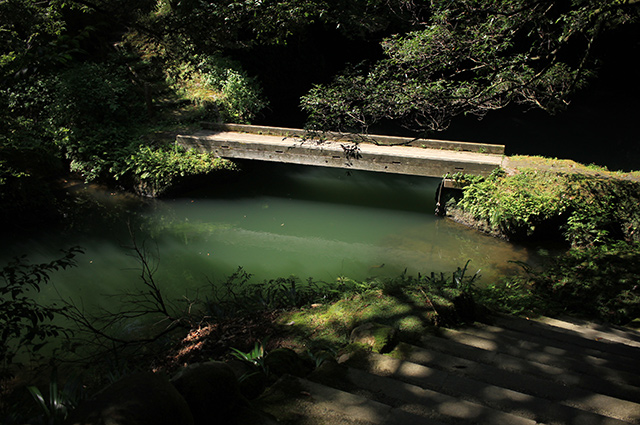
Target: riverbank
{"type": "Point", "coordinates": [594, 212]}
{"type": "Point", "coordinates": [537, 198]}
{"type": "Point", "coordinates": [595, 279]}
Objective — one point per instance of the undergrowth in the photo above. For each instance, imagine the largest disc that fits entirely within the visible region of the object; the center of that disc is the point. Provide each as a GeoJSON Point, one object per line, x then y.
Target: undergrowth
{"type": "Point", "coordinates": [585, 210]}
{"type": "Point", "coordinates": [600, 282]}
{"type": "Point", "coordinates": [599, 220]}
{"type": "Point", "coordinates": [411, 304]}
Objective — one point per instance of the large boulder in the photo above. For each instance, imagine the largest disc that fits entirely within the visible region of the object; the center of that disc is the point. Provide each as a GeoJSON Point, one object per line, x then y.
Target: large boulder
{"type": "Point", "coordinates": [211, 391]}
{"type": "Point", "coordinates": [137, 399]}
{"type": "Point", "coordinates": [285, 360]}
{"type": "Point", "coordinates": [251, 379]}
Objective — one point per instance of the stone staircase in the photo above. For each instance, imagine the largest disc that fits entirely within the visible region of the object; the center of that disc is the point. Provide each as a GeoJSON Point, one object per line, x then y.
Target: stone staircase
{"type": "Point", "coordinates": [506, 371]}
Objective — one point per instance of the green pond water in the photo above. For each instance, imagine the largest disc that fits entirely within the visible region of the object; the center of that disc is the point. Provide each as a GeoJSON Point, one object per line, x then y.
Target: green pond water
{"type": "Point", "coordinates": [274, 221]}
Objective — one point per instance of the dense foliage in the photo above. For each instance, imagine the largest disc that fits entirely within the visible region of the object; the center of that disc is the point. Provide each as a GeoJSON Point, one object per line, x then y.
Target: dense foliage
{"type": "Point", "coordinates": [213, 25]}
{"type": "Point", "coordinates": [100, 87]}
{"type": "Point", "coordinates": [84, 80]}
{"type": "Point", "coordinates": [470, 57]}
{"type": "Point", "coordinates": [84, 83]}
{"type": "Point", "coordinates": [584, 210]}
{"type": "Point", "coordinates": [595, 283]}
{"type": "Point", "coordinates": [598, 282]}
{"type": "Point", "coordinates": [27, 325]}
{"type": "Point", "coordinates": [597, 216]}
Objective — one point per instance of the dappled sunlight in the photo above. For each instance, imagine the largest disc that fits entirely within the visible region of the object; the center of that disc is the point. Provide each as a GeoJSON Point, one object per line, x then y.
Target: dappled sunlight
{"type": "Point", "coordinates": [458, 410]}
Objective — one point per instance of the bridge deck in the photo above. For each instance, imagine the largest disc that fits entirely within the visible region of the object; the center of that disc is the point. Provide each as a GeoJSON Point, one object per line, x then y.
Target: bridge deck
{"type": "Point", "coordinates": [391, 159]}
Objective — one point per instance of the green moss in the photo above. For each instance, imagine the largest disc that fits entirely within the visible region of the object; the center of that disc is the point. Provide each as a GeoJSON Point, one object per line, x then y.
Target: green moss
{"type": "Point", "coordinates": [409, 309]}
{"type": "Point", "coordinates": [402, 351]}
{"type": "Point", "coordinates": [383, 337]}
{"type": "Point", "coordinates": [634, 324]}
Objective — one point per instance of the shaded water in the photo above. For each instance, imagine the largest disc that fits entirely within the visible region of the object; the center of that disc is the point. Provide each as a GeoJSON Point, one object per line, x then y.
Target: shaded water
{"type": "Point", "coordinates": [273, 220]}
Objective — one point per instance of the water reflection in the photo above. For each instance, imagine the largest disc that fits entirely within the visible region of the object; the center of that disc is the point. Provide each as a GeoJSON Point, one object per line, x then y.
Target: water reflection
{"type": "Point", "coordinates": [274, 221]}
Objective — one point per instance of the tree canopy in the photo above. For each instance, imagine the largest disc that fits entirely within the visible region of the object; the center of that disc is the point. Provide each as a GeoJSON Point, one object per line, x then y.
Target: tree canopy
{"type": "Point", "coordinates": [471, 57]}
{"type": "Point", "coordinates": [82, 81]}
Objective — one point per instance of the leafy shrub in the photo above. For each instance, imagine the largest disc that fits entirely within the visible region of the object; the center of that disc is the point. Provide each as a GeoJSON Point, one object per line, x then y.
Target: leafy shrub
{"type": "Point", "coordinates": [515, 205]}
{"type": "Point", "coordinates": [594, 282]}
{"type": "Point", "coordinates": [219, 86]}
{"type": "Point", "coordinates": [586, 210]}
{"type": "Point", "coordinates": [27, 324]}
{"type": "Point", "coordinates": [601, 210]}
{"type": "Point", "coordinates": [100, 106]}
{"type": "Point", "coordinates": [155, 169]}
{"type": "Point", "coordinates": [29, 158]}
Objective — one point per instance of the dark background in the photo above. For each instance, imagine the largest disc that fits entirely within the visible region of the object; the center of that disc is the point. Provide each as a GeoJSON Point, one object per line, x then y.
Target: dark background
{"type": "Point", "coordinates": [600, 126]}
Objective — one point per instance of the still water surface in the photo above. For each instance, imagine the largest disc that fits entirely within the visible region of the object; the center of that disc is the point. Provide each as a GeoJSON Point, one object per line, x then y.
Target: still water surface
{"type": "Point", "coordinates": [273, 220]}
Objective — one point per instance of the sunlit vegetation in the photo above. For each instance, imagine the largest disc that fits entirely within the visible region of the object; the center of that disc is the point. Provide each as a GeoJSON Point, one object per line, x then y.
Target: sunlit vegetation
{"type": "Point", "coordinates": [82, 98]}
{"type": "Point", "coordinates": [595, 214]}
{"type": "Point", "coordinates": [98, 89]}
{"type": "Point", "coordinates": [586, 210]}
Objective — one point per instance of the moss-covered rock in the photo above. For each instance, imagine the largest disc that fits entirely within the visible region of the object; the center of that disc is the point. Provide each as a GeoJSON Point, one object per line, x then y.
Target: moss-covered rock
{"type": "Point", "coordinates": [380, 338]}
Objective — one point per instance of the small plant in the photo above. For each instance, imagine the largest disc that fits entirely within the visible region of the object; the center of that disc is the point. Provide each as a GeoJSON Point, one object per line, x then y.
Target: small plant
{"type": "Point", "coordinates": [463, 179]}
{"type": "Point", "coordinates": [320, 354]}
{"type": "Point", "coordinates": [462, 282]}
{"type": "Point", "coordinates": [256, 357]}
{"type": "Point", "coordinates": [156, 169]}
{"type": "Point", "coordinates": [60, 401]}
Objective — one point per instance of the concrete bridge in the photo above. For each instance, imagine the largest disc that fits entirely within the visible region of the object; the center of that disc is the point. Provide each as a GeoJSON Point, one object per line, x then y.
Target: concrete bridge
{"type": "Point", "coordinates": [421, 157]}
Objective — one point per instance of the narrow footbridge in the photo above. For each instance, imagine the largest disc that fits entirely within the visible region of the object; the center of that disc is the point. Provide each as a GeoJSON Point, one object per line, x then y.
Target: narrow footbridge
{"type": "Point", "coordinates": [399, 155]}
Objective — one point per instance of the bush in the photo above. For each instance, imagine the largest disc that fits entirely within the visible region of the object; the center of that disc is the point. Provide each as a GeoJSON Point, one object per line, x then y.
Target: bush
{"type": "Point", "coordinates": [598, 282]}
{"type": "Point", "coordinates": [154, 170]}
{"type": "Point", "coordinates": [29, 158]}
{"type": "Point", "coordinates": [220, 87]}
{"type": "Point", "coordinates": [27, 324]}
{"type": "Point", "coordinates": [516, 205]}
{"type": "Point", "coordinates": [585, 210]}
{"type": "Point", "coordinates": [101, 106]}
{"type": "Point", "coordinates": [601, 210]}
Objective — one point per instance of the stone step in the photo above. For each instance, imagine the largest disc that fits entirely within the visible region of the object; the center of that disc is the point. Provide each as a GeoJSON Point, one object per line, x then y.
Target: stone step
{"type": "Point", "coordinates": [596, 331]}
{"type": "Point", "coordinates": [509, 357]}
{"type": "Point", "coordinates": [488, 386]}
{"type": "Point", "coordinates": [513, 371]}
{"type": "Point", "coordinates": [576, 337]}
{"type": "Point", "coordinates": [544, 385]}
{"type": "Point", "coordinates": [410, 398]}
{"type": "Point", "coordinates": [299, 401]}
{"type": "Point", "coordinates": [546, 351]}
